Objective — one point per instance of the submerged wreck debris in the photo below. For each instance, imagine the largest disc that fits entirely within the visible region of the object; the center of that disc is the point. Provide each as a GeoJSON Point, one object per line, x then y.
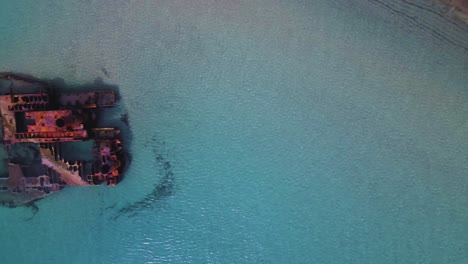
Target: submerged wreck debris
{"type": "Point", "coordinates": [34, 208]}
{"type": "Point", "coordinates": [163, 188]}
{"type": "Point", "coordinates": [105, 72]}
{"type": "Point", "coordinates": [53, 139]}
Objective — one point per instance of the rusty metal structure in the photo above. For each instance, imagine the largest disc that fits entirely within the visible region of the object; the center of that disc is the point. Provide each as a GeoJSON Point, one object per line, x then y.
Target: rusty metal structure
{"type": "Point", "coordinates": [37, 125]}
{"type": "Point", "coordinates": [457, 8]}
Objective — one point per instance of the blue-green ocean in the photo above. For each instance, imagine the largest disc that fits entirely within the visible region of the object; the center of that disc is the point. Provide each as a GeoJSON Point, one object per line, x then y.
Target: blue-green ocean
{"type": "Point", "coordinates": [263, 131]}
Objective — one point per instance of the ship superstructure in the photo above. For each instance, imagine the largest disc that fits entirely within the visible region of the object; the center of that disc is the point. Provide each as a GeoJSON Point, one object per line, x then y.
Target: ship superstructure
{"type": "Point", "coordinates": [42, 133]}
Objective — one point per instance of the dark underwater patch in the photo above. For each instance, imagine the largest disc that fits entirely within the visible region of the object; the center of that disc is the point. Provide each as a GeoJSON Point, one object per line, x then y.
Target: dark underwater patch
{"type": "Point", "coordinates": [105, 72]}
{"type": "Point", "coordinates": [34, 209]}
{"type": "Point", "coordinates": [162, 189]}
{"type": "Point", "coordinates": [30, 204]}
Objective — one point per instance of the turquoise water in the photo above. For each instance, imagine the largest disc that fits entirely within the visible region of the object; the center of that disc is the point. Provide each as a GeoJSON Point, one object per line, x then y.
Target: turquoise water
{"type": "Point", "coordinates": [263, 131]}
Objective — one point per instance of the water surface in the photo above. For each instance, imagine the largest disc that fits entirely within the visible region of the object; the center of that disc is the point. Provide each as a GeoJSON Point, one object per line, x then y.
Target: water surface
{"type": "Point", "coordinates": [263, 131]}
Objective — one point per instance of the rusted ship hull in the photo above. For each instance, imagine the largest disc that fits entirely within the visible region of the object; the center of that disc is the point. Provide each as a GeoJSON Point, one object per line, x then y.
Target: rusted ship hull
{"type": "Point", "coordinates": [42, 130]}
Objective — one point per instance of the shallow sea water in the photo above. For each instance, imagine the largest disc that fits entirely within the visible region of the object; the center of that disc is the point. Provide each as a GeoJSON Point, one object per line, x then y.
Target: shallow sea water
{"type": "Point", "coordinates": [263, 131]}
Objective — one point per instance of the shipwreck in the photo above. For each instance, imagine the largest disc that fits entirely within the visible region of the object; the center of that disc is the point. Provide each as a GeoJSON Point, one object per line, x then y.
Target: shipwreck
{"type": "Point", "coordinates": [52, 139]}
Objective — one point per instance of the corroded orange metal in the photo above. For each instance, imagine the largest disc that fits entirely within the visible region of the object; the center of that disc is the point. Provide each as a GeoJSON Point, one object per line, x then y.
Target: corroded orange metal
{"type": "Point", "coordinates": [46, 119]}
{"type": "Point", "coordinates": [56, 125]}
